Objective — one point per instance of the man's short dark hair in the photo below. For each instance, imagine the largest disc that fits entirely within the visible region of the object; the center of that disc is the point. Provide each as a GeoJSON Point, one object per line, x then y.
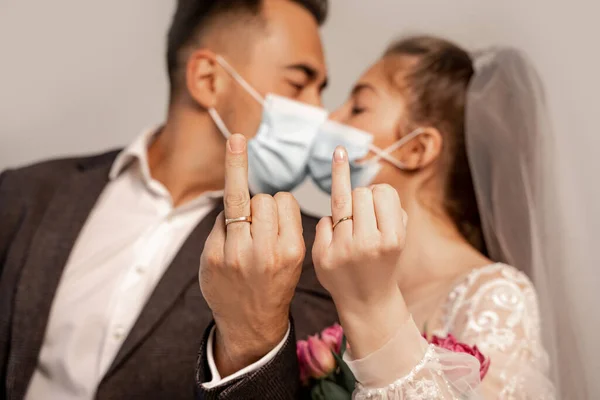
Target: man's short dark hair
{"type": "Point", "coordinates": [193, 18]}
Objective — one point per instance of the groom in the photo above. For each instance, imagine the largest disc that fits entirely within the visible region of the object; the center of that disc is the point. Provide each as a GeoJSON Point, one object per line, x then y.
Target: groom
{"type": "Point", "coordinates": [99, 255]}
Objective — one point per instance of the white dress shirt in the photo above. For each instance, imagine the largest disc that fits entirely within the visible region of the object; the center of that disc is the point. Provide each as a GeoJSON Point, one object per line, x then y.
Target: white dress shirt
{"type": "Point", "coordinates": [122, 252]}
{"type": "Point", "coordinates": [127, 243]}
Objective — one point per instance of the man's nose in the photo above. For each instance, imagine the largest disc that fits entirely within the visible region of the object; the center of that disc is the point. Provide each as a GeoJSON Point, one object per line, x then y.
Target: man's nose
{"type": "Point", "coordinates": [312, 98]}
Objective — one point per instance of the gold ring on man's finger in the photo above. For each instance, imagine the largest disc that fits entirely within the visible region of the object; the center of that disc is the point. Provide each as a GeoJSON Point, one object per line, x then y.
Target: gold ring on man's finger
{"type": "Point", "coordinates": [247, 219]}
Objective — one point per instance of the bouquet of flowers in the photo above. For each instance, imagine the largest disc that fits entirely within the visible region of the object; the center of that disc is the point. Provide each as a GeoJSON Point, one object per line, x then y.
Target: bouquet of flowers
{"type": "Point", "coordinates": [325, 375]}
{"type": "Point", "coordinates": [323, 372]}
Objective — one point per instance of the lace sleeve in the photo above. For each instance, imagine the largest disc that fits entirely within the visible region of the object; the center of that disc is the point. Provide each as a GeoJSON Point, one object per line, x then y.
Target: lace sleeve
{"type": "Point", "coordinates": [495, 310]}
{"type": "Point", "coordinates": [407, 367]}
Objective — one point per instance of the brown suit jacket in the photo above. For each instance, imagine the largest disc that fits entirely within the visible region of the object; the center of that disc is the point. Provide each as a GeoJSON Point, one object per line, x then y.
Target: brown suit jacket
{"type": "Point", "coordinates": [42, 210]}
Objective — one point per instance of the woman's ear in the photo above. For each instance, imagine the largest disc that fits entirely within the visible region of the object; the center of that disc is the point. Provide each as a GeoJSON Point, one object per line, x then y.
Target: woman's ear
{"type": "Point", "coordinates": [423, 150]}
{"type": "Point", "coordinates": [202, 79]}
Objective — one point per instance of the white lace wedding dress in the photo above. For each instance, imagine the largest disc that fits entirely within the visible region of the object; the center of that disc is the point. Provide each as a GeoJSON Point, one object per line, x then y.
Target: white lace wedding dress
{"type": "Point", "coordinates": [495, 308]}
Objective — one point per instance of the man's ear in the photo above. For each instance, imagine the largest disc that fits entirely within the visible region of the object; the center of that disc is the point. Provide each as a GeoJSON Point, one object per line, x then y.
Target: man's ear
{"type": "Point", "coordinates": [423, 150]}
{"type": "Point", "coordinates": [203, 78]}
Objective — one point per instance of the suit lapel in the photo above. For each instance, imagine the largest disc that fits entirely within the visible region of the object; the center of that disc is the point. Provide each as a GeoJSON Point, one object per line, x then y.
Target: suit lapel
{"type": "Point", "coordinates": [51, 245]}
{"type": "Point", "coordinates": [182, 272]}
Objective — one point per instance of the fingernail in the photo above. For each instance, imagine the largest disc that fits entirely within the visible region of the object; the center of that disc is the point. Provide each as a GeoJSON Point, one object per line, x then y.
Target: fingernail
{"type": "Point", "coordinates": [237, 143]}
{"type": "Point", "coordinates": [339, 155]}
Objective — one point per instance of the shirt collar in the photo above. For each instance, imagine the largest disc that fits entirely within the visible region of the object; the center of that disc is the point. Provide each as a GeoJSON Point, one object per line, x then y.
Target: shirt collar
{"type": "Point", "coordinates": [136, 151]}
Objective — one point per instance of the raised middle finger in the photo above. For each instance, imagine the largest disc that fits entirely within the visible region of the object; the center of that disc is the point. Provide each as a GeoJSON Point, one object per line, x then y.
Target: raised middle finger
{"type": "Point", "coordinates": [341, 193]}
{"type": "Point", "coordinates": [236, 197]}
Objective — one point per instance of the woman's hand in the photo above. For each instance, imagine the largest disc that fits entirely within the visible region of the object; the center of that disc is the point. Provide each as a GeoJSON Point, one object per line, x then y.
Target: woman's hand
{"type": "Point", "coordinates": [356, 260]}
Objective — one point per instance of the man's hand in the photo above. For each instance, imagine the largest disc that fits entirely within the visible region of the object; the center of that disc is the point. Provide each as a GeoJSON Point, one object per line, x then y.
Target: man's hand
{"type": "Point", "coordinates": [249, 271]}
{"type": "Point", "coordinates": [357, 260]}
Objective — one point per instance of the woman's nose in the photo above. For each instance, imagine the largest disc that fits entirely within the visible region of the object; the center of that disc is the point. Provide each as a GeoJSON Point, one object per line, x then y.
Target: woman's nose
{"type": "Point", "coordinates": [338, 115]}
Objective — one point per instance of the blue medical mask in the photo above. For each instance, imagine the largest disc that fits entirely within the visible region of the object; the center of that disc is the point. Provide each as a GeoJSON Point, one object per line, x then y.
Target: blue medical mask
{"type": "Point", "coordinates": [358, 144]}
{"type": "Point", "coordinates": [278, 154]}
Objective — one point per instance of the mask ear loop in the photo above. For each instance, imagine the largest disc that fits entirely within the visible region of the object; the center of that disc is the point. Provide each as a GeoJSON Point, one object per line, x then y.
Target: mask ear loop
{"type": "Point", "coordinates": [385, 153]}
{"type": "Point", "coordinates": [219, 122]}
{"type": "Point", "coordinates": [234, 74]}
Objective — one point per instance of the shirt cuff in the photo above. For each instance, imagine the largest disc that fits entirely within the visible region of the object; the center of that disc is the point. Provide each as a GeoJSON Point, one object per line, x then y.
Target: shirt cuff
{"type": "Point", "coordinates": [216, 377]}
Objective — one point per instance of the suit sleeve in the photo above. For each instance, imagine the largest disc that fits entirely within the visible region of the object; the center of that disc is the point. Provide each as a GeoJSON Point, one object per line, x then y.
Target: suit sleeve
{"type": "Point", "coordinates": [10, 217]}
{"type": "Point", "coordinates": [278, 379]}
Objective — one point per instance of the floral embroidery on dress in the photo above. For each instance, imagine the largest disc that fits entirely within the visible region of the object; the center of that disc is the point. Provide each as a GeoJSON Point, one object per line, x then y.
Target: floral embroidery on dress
{"type": "Point", "coordinates": [495, 308]}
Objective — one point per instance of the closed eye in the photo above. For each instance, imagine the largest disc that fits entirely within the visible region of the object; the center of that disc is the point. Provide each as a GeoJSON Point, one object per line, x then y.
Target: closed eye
{"type": "Point", "coordinates": [297, 86]}
{"type": "Point", "coordinates": [358, 110]}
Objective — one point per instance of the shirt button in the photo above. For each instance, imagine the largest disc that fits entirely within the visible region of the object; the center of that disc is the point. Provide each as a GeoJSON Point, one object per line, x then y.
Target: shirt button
{"type": "Point", "coordinates": [119, 333]}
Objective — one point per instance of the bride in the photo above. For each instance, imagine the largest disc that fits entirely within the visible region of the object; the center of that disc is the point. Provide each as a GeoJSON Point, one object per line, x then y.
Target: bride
{"type": "Point", "coordinates": [426, 126]}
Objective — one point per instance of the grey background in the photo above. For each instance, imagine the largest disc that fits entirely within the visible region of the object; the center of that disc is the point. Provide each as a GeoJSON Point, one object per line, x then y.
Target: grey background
{"type": "Point", "coordinates": [83, 76]}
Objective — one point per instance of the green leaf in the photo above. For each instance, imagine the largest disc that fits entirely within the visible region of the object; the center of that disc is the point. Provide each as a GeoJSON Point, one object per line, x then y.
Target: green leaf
{"type": "Point", "coordinates": [317, 393]}
{"type": "Point", "coordinates": [345, 377]}
{"type": "Point", "coordinates": [333, 391]}
{"type": "Point", "coordinates": [343, 346]}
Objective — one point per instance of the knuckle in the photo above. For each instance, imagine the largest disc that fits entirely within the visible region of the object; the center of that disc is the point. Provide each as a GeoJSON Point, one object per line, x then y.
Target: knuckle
{"type": "Point", "coordinates": [264, 209]}
{"type": "Point", "coordinates": [361, 192]}
{"type": "Point", "coordinates": [237, 200]}
{"type": "Point", "coordinates": [383, 189]}
{"type": "Point", "coordinates": [386, 191]}
{"type": "Point", "coordinates": [341, 201]}
{"type": "Point", "coordinates": [295, 253]}
{"type": "Point", "coordinates": [219, 221]}
{"type": "Point", "coordinates": [324, 261]}
{"type": "Point", "coordinates": [263, 201]}
{"type": "Point", "coordinates": [323, 223]}
{"type": "Point", "coordinates": [234, 261]}
{"type": "Point", "coordinates": [285, 197]}
{"type": "Point", "coordinates": [287, 201]}
{"type": "Point", "coordinates": [212, 258]}
{"type": "Point", "coordinates": [345, 248]}
{"type": "Point", "coordinates": [391, 245]}
{"type": "Point", "coordinates": [369, 247]}
{"type": "Point", "coordinates": [268, 259]}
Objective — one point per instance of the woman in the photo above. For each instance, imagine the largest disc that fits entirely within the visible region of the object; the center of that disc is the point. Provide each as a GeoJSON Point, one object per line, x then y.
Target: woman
{"type": "Point", "coordinates": [406, 116]}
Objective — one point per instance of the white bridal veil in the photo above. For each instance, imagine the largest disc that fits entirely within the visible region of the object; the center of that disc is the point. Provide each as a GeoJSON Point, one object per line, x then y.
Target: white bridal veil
{"type": "Point", "coordinates": [512, 151]}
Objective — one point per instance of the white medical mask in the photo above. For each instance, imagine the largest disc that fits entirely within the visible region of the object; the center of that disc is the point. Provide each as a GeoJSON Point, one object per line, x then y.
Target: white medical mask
{"type": "Point", "coordinates": [358, 144]}
{"type": "Point", "coordinates": [278, 154]}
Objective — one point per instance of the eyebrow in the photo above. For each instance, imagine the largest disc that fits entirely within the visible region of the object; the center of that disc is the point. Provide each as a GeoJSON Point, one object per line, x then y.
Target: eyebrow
{"type": "Point", "coordinates": [362, 86]}
{"type": "Point", "coordinates": [310, 72]}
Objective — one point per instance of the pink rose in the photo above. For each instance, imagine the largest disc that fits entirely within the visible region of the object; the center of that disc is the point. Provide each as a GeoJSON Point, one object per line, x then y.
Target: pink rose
{"type": "Point", "coordinates": [302, 353]}
{"type": "Point", "coordinates": [315, 358]}
{"type": "Point", "coordinates": [450, 343]}
{"type": "Point", "coordinates": [333, 337]}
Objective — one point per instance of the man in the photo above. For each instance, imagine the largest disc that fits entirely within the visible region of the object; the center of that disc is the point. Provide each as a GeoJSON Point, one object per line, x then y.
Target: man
{"type": "Point", "coordinates": [99, 295]}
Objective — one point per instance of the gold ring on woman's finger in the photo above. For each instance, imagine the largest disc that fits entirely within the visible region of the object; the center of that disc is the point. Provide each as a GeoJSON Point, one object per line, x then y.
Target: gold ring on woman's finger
{"type": "Point", "coordinates": [342, 220]}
